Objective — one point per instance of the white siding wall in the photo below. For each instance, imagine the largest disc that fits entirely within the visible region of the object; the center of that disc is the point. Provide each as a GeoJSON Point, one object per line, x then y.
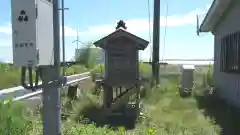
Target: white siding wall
{"type": "Point", "coordinates": [228, 84]}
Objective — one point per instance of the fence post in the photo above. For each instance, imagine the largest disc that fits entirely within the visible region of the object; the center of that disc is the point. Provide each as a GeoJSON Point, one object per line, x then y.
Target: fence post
{"type": "Point", "coordinates": [72, 92]}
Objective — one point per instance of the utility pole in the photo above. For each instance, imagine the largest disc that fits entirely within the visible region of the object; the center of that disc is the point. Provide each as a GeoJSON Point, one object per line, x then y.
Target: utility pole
{"type": "Point", "coordinates": [52, 83]}
{"type": "Point", "coordinates": [156, 36]}
{"type": "Point", "coordinates": [63, 37]}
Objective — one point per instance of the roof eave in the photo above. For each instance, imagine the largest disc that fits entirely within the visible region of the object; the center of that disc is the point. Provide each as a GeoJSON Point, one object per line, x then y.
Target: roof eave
{"type": "Point", "coordinates": [204, 27]}
{"type": "Point", "coordinates": [214, 15]}
{"type": "Point", "coordinates": [141, 42]}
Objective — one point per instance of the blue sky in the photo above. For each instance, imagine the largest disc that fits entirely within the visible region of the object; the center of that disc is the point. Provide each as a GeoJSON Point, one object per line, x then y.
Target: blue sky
{"type": "Point", "coordinates": [97, 18]}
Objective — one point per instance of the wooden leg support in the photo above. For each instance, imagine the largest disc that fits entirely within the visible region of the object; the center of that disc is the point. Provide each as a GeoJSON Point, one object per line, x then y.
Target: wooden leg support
{"type": "Point", "coordinates": [107, 96]}
{"type": "Point", "coordinates": [137, 101]}
{"type": "Point", "coordinates": [72, 92]}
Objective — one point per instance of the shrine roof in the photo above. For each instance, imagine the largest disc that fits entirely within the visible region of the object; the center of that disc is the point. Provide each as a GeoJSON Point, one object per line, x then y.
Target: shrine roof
{"type": "Point", "coordinates": [140, 42]}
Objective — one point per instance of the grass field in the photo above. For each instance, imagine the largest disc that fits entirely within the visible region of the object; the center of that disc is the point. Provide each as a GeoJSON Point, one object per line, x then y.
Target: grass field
{"type": "Point", "coordinates": [10, 76]}
{"type": "Point", "coordinates": [164, 112]}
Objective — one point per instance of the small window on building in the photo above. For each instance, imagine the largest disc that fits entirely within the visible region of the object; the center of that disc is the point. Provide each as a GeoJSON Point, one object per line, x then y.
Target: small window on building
{"type": "Point", "coordinates": [230, 53]}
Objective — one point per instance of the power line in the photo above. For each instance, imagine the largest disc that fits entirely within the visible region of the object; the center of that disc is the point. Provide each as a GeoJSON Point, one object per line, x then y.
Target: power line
{"type": "Point", "coordinates": [149, 26]}
{"type": "Point", "coordinates": [165, 31]}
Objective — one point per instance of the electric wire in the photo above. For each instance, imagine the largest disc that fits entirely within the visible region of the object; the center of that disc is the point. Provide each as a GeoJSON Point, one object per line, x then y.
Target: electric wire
{"type": "Point", "coordinates": [149, 29]}
{"type": "Point", "coordinates": [165, 32]}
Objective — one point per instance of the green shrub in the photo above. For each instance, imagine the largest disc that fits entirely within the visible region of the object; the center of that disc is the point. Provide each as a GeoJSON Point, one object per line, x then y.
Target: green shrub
{"type": "Point", "coordinates": [89, 55]}
{"type": "Point", "coordinates": [165, 113]}
{"type": "Point", "coordinates": [97, 70]}
{"type": "Point", "coordinates": [9, 79]}
{"type": "Point", "coordinates": [210, 76]}
{"type": "Point", "coordinates": [13, 118]}
{"type": "Point", "coordinates": [145, 68]}
{"type": "Point", "coordinates": [75, 69]}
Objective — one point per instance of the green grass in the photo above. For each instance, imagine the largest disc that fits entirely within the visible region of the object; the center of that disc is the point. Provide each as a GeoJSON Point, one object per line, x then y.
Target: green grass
{"type": "Point", "coordinates": [164, 113]}
{"type": "Point", "coordinates": [10, 76]}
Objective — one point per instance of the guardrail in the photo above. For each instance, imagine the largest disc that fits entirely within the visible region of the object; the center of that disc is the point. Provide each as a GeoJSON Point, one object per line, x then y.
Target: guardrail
{"type": "Point", "coordinates": [39, 92]}
{"type": "Point", "coordinates": [19, 92]}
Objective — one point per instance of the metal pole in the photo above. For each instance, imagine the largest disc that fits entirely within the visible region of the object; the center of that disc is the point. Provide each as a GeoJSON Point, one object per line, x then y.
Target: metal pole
{"type": "Point", "coordinates": [51, 85]}
{"type": "Point", "coordinates": [63, 39]}
{"type": "Point", "coordinates": [156, 36]}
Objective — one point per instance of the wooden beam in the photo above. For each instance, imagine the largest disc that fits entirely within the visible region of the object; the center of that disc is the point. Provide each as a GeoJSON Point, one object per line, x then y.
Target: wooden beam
{"type": "Point", "coordinates": [123, 99]}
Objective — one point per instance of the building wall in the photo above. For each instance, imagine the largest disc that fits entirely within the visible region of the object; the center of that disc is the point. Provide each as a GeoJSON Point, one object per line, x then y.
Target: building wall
{"type": "Point", "coordinates": [102, 56]}
{"type": "Point", "coordinates": [228, 84]}
{"type": "Point", "coordinates": [99, 60]}
{"type": "Point", "coordinates": [77, 53]}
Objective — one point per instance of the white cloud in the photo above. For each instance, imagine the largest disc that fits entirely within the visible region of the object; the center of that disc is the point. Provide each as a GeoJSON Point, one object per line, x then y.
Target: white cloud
{"type": "Point", "coordinates": [134, 25]}
{"type": "Point", "coordinates": [6, 29]}
{"type": "Point", "coordinates": [68, 31]}
{"type": "Point", "coordinates": [137, 26]}
{"type": "Point", "coordinates": [5, 43]}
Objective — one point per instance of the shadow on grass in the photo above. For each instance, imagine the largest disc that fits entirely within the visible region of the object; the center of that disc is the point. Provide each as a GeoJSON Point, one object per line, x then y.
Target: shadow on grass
{"type": "Point", "coordinates": [224, 115]}
{"type": "Point", "coordinates": [96, 115]}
